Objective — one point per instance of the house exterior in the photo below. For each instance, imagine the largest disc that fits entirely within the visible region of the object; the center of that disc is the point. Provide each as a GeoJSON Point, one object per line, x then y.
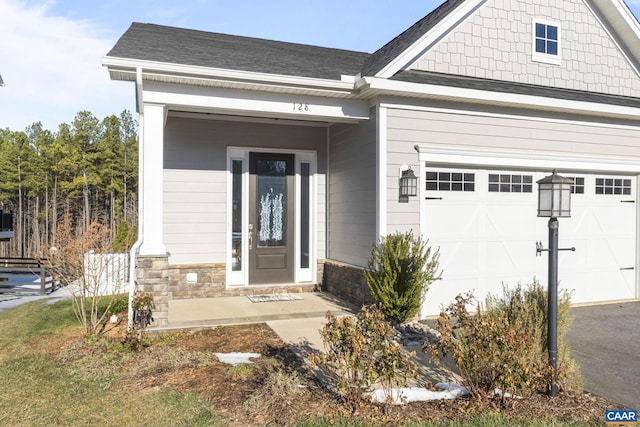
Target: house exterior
{"type": "Point", "coordinates": [6, 223]}
{"type": "Point", "coordinates": [268, 165]}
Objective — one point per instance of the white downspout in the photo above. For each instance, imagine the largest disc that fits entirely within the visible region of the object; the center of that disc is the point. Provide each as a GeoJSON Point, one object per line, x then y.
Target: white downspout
{"type": "Point", "coordinates": [136, 246]}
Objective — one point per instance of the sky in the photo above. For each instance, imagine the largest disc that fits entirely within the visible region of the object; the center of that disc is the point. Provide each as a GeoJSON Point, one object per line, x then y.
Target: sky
{"type": "Point", "coordinates": [51, 50]}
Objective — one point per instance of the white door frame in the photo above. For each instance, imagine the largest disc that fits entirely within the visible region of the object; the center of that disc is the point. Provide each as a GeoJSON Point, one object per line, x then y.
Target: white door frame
{"type": "Point", "coordinates": [301, 275]}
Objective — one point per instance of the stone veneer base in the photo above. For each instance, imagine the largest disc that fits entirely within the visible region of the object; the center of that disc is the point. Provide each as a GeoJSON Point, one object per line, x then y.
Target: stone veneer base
{"type": "Point", "coordinates": [346, 281]}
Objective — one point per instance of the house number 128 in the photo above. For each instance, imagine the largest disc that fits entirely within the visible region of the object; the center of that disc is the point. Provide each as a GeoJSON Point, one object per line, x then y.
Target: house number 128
{"type": "Point", "coordinates": [300, 106]}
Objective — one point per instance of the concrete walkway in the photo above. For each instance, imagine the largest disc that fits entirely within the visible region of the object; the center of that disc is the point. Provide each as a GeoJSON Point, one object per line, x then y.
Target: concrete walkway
{"type": "Point", "coordinates": [296, 322]}
{"type": "Point", "coordinates": [9, 301]}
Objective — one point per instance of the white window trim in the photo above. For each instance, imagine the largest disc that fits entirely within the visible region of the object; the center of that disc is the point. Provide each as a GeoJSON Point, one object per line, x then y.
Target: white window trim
{"type": "Point", "coordinates": [240, 277]}
{"type": "Point", "coordinates": [543, 57]}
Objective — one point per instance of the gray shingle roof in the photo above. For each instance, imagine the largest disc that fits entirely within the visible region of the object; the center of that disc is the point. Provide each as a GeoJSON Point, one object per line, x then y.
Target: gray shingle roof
{"type": "Point", "coordinates": [379, 59]}
{"type": "Point", "coordinates": [190, 47]}
{"type": "Point", "coordinates": [451, 80]}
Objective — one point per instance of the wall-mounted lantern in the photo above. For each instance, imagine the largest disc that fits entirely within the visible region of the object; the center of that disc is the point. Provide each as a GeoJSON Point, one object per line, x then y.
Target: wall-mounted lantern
{"type": "Point", "coordinates": [408, 183]}
{"type": "Point", "coordinates": [554, 201]}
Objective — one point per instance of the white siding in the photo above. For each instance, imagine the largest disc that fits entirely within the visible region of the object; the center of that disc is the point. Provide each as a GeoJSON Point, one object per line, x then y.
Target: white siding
{"type": "Point", "coordinates": [352, 192]}
{"type": "Point", "coordinates": [511, 135]}
{"type": "Point", "coordinates": [496, 43]}
{"type": "Point", "coordinates": [195, 177]}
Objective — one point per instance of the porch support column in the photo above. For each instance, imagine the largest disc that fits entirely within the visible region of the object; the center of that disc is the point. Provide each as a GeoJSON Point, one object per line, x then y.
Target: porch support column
{"type": "Point", "coordinates": [151, 163]}
{"type": "Point", "coordinates": [381, 173]}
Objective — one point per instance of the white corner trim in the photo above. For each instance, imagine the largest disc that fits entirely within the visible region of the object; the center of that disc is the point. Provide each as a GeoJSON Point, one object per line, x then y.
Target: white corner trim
{"type": "Point", "coordinates": [139, 91]}
{"type": "Point", "coordinates": [381, 172]}
{"type": "Point", "coordinates": [407, 58]}
{"type": "Point", "coordinates": [500, 159]}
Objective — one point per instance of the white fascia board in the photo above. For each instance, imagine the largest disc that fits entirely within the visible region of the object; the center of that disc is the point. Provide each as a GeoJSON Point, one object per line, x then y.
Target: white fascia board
{"type": "Point", "coordinates": [421, 90]}
{"type": "Point", "coordinates": [623, 12]}
{"type": "Point", "coordinates": [264, 104]}
{"type": "Point", "coordinates": [430, 38]}
{"type": "Point", "coordinates": [432, 154]}
{"type": "Point", "coordinates": [621, 18]}
{"type": "Point", "coordinates": [186, 71]}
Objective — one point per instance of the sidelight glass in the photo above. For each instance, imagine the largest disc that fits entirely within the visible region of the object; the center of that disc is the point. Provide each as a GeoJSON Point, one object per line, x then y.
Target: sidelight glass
{"type": "Point", "coordinates": [304, 214]}
{"type": "Point", "coordinates": [236, 216]}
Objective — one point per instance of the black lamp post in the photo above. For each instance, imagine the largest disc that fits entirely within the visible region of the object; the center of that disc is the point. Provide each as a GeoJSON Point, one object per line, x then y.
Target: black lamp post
{"type": "Point", "coordinates": [554, 201]}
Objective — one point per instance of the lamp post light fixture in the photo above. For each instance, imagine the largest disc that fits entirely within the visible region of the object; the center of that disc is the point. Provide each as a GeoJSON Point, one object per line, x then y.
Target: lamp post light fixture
{"type": "Point", "coordinates": [554, 201]}
{"type": "Point", "coordinates": [408, 183]}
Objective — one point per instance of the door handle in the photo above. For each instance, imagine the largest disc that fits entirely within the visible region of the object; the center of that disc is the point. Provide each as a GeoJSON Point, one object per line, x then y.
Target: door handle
{"type": "Point", "coordinates": [627, 268]}
{"type": "Point", "coordinates": [250, 236]}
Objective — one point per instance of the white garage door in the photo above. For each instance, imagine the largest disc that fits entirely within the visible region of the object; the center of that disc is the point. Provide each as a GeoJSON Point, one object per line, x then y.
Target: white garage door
{"type": "Point", "coordinates": [486, 226]}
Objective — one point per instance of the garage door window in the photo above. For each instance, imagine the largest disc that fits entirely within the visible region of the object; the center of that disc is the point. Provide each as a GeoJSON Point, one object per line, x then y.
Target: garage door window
{"type": "Point", "coordinates": [613, 186]}
{"type": "Point", "coordinates": [578, 185]}
{"type": "Point", "coordinates": [450, 181]}
{"type": "Point", "coordinates": [507, 183]}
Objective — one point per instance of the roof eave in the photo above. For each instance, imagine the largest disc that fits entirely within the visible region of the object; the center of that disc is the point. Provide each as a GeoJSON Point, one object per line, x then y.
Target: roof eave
{"type": "Point", "coordinates": [617, 12]}
{"type": "Point", "coordinates": [125, 69]}
{"type": "Point", "coordinates": [371, 87]}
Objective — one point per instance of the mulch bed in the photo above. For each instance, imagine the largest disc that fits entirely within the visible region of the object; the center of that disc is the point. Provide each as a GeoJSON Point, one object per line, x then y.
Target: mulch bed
{"type": "Point", "coordinates": [231, 389]}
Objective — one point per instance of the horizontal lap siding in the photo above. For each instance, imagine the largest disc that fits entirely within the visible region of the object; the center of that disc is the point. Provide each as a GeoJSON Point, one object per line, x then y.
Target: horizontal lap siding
{"type": "Point", "coordinates": [516, 135]}
{"type": "Point", "coordinates": [195, 181]}
{"type": "Point", "coordinates": [352, 192]}
{"type": "Point", "coordinates": [402, 215]}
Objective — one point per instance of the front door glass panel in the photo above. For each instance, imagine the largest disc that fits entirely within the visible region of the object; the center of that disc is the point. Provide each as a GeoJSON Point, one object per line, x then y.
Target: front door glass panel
{"type": "Point", "coordinates": [271, 201]}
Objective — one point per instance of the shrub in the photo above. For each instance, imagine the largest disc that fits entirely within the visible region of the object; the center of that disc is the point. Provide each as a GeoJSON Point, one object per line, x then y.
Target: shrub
{"type": "Point", "coordinates": [84, 279]}
{"type": "Point", "coordinates": [400, 270]}
{"type": "Point", "coordinates": [142, 306]}
{"type": "Point", "coordinates": [529, 307]}
{"type": "Point", "coordinates": [504, 344]}
{"type": "Point", "coordinates": [360, 352]}
{"type": "Point", "coordinates": [120, 304]}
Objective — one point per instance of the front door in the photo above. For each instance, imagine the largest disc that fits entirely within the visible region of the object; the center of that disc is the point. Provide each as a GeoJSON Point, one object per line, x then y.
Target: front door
{"type": "Point", "coordinates": [271, 218]}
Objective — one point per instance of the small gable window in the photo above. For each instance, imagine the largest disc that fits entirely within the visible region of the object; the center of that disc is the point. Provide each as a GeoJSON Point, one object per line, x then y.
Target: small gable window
{"type": "Point", "coordinates": [546, 42]}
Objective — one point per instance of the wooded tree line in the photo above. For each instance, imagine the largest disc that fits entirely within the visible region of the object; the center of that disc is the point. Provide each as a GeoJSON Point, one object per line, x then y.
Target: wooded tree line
{"type": "Point", "coordinates": [87, 170]}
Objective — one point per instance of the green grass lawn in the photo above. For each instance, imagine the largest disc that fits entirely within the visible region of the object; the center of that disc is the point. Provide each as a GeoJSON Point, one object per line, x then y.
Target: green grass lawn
{"type": "Point", "coordinates": [39, 390]}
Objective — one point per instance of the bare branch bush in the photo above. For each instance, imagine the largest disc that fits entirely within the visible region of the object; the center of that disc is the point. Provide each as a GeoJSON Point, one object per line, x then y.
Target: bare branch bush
{"type": "Point", "coordinates": [93, 282]}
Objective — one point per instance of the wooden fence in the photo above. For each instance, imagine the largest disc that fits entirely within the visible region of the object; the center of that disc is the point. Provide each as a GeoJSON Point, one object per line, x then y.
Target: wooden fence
{"type": "Point", "coordinates": [25, 276]}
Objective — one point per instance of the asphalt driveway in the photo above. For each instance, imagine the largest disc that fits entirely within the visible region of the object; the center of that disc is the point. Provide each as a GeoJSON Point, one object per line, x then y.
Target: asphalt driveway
{"type": "Point", "coordinates": [605, 340]}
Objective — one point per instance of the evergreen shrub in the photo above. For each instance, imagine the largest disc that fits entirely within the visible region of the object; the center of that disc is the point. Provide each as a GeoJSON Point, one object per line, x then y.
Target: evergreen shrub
{"type": "Point", "coordinates": [400, 270]}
